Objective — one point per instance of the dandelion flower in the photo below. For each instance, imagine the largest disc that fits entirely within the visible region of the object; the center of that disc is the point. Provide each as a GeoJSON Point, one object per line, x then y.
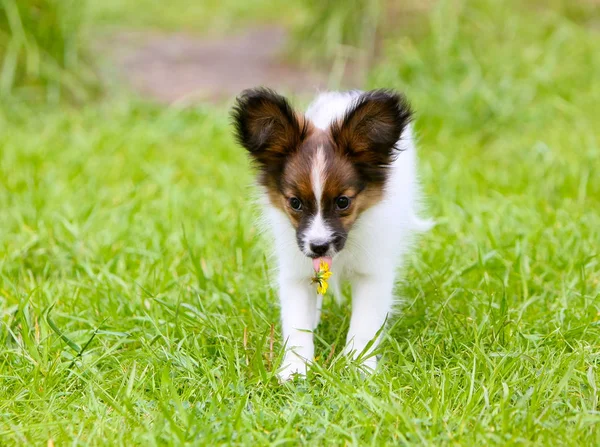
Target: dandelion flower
{"type": "Point", "coordinates": [321, 277]}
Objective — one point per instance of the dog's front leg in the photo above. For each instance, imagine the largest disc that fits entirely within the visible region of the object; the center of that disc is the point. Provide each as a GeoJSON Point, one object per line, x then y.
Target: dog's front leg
{"type": "Point", "coordinates": [372, 302]}
{"type": "Point", "coordinates": [298, 313]}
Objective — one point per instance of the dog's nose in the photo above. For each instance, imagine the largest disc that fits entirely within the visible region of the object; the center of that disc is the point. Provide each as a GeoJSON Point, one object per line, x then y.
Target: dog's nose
{"type": "Point", "coordinates": [319, 249]}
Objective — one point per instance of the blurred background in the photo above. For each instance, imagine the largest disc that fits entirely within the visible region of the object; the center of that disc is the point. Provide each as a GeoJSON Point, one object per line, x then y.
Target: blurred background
{"type": "Point", "coordinates": [80, 50]}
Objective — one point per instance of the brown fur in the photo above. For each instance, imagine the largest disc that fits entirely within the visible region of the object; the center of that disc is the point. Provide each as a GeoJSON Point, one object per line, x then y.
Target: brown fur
{"type": "Point", "coordinates": [369, 131]}
{"type": "Point", "coordinates": [342, 180]}
{"type": "Point", "coordinates": [357, 149]}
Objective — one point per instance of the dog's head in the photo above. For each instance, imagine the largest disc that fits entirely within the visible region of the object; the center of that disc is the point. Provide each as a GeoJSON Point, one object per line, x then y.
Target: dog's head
{"type": "Point", "coordinates": [322, 179]}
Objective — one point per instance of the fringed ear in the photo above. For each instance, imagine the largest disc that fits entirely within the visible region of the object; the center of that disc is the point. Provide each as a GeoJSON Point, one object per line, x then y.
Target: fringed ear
{"type": "Point", "coordinates": [369, 131]}
{"type": "Point", "coordinates": [267, 126]}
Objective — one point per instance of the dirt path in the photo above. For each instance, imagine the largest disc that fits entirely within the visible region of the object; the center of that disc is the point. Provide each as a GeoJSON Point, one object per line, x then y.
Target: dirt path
{"type": "Point", "coordinates": [186, 68]}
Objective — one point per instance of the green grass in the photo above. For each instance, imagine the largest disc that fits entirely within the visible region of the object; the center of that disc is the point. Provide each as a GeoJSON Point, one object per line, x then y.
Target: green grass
{"type": "Point", "coordinates": [337, 29]}
{"type": "Point", "coordinates": [42, 51]}
{"type": "Point", "coordinates": [134, 291]}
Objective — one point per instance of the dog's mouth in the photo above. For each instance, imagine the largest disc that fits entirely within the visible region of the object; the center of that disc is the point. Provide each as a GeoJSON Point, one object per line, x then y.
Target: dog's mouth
{"type": "Point", "coordinates": [317, 262]}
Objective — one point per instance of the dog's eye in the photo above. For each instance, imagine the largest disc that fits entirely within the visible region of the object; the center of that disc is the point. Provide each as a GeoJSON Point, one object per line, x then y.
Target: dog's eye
{"type": "Point", "coordinates": [295, 203]}
{"type": "Point", "coordinates": [342, 202]}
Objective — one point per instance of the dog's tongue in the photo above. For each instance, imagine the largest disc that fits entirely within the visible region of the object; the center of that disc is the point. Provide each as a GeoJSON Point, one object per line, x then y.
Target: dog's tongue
{"type": "Point", "coordinates": [317, 262]}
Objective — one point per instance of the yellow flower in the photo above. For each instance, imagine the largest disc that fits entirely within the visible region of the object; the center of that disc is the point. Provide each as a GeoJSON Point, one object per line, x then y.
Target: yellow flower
{"type": "Point", "coordinates": [321, 278]}
{"type": "Point", "coordinates": [324, 270]}
{"type": "Point", "coordinates": [322, 287]}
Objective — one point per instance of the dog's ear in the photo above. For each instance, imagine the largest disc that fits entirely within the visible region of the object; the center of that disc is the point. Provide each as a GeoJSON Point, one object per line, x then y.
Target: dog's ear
{"type": "Point", "coordinates": [267, 126]}
{"type": "Point", "coordinates": [371, 128]}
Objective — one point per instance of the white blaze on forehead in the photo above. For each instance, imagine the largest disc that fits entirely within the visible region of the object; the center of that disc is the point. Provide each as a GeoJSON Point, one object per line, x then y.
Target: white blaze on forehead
{"type": "Point", "coordinates": [318, 232]}
{"type": "Point", "coordinates": [318, 175]}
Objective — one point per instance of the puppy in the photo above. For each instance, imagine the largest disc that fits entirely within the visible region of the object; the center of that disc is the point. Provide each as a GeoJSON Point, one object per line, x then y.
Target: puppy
{"type": "Point", "coordinates": [339, 185]}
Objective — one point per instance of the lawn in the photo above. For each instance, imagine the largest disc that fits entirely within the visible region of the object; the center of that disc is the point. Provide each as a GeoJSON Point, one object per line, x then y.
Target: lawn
{"type": "Point", "coordinates": [135, 297]}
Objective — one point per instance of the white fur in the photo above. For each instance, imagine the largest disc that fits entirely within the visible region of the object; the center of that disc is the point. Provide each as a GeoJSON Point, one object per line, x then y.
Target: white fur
{"type": "Point", "coordinates": [317, 232]}
{"type": "Point", "coordinates": [318, 175]}
{"type": "Point", "coordinates": [373, 252]}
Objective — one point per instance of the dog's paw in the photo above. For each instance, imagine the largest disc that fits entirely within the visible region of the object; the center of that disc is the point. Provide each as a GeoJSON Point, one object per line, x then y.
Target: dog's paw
{"type": "Point", "coordinates": [292, 367]}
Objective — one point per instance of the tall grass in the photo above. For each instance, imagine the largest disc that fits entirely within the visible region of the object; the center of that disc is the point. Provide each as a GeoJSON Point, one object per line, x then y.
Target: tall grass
{"type": "Point", "coordinates": [335, 32]}
{"type": "Point", "coordinates": [349, 36]}
{"type": "Point", "coordinates": [41, 49]}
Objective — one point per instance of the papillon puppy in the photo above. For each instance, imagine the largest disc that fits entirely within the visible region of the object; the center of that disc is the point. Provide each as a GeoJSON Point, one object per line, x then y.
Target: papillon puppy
{"type": "Point", "coordinates": [339, 185]}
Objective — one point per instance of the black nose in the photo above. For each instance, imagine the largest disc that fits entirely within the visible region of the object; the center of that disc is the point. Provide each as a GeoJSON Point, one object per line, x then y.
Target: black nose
{"type": "Point", "coordinates": [319, 249]}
